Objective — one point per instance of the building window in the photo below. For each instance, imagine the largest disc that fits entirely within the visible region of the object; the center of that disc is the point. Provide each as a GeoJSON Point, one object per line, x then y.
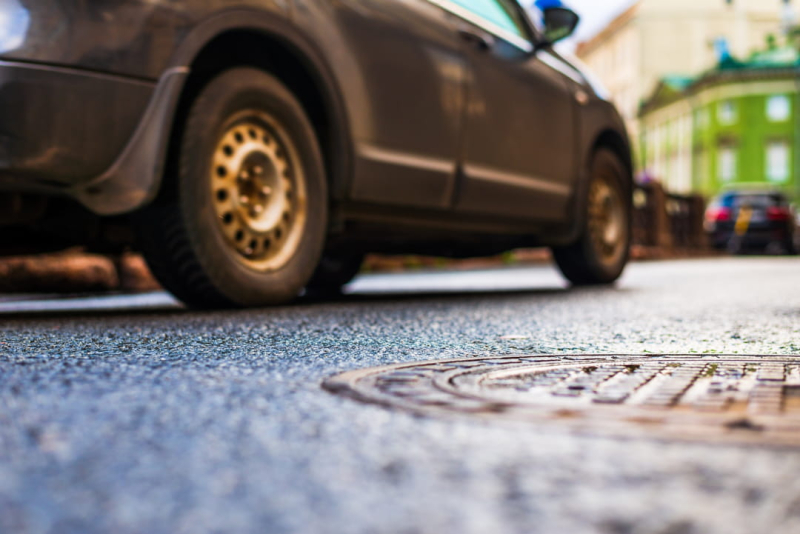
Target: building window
{"type": "Point", "coordinates": [726, 112]}
{"type": "Point", "coordinates": [727, 164]}
{"type": "Point", "coordinates": [778, 108]}
{"type": "Point", "coordinates": [701, 180]}
{"type": "Point", "coordinates": [701, 119]}
{"type": "Point", "coordinates": [778, 156]}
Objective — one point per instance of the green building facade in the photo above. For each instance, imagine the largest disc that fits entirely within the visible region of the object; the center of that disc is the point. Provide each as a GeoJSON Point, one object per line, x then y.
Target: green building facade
{"type": "Point", "coordinates": [735, 126]}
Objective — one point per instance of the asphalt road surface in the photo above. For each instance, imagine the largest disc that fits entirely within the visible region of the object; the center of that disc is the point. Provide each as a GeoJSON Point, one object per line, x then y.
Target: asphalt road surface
{"type": "Point", "coordinates": [129, 414]}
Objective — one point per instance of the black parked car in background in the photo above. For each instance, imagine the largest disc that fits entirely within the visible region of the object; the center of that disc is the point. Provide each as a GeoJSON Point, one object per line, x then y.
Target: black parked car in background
{"type": "Point", "coordinates": [751, 220]}
{"type": "Point", "coordinates": [254, 148]}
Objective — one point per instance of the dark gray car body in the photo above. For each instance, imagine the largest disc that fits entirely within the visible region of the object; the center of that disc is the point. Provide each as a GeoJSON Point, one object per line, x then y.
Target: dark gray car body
{"type": "Point", "coordinates": [421, 123]}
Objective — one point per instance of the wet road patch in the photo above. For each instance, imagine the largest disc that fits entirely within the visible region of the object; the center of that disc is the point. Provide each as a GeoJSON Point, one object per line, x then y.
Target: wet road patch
{"type": "Point", "coordinates": [740, 399]}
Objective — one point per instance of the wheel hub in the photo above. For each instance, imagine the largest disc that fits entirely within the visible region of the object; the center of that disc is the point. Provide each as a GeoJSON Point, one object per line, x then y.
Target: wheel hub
{"type": "Point", "coordinates": [258, 192]}
{"type": "Point", "coordinates": [606, 219]}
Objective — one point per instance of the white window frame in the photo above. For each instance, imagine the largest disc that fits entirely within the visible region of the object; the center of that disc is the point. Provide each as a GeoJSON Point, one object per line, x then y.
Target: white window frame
{"type": "Point", "coordinates": [727, 161]}
{"type": "Point", "coordinates": [785, 104]}
{"type": "Point", "coordinates": [777, 161]}
{"type": "Point", "coordinates": [727, 112]}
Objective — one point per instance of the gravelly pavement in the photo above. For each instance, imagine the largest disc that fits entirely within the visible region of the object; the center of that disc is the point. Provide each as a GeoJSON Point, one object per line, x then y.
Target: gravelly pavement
{"type": "Point", "coordinates": [129, 414]}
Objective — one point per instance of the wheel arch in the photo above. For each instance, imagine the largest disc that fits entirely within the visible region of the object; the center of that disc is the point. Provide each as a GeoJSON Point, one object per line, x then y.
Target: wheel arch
{"type": "Point", "coordinates": [608, 134]}
{"type": "Point", "coordinates": [142, 173]}
{"type": "Point", "coordinates": [268, 42]}
{"type": "Point", "coordinates": [614, 141]}
{"type": "Point", "coordinates": [578, 260]}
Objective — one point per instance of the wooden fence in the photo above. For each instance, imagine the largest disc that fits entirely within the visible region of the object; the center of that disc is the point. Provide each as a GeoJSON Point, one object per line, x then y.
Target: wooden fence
{"type": "Point", "coordinates": [668, 221]}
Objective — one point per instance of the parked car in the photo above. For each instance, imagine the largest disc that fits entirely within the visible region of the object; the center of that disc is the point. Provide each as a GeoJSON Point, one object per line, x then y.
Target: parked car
{"type": "Point", "coordinates": [751, 220]}
{"type": "Point", "coordinates": [252, 148]}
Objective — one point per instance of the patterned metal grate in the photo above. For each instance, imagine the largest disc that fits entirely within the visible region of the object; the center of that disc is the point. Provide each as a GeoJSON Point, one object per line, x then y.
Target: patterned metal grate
{"type": "Point", "coordinates": [751, 399]}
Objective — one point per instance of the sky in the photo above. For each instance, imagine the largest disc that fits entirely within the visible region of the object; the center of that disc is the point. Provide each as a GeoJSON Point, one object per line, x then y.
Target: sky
{"type": "Point", "coordinates": [595, 14]}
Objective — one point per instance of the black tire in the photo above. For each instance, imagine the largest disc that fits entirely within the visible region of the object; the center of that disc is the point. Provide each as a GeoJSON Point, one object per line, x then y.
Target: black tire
{"type": "Point", "coordinates": [333, 272]}
{"type": "Point", "coordinates": [587, 261]}
{"type": "Point", "coordinates": [184, 238]}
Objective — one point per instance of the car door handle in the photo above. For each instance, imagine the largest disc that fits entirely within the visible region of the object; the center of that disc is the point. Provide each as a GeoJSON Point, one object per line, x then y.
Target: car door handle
{"type": "Point", "coordinates": [480, 40]}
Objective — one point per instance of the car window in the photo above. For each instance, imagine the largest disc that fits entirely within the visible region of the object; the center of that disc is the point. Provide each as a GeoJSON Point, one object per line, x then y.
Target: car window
{"type": "Point", "coordinates": [753, 200]}
{"type": "Point", "coordinates": [501, 13]}
{"type": "Point", "coordinates": [757, 201]}
{"type": "Point", "coordinates": [725, 201]}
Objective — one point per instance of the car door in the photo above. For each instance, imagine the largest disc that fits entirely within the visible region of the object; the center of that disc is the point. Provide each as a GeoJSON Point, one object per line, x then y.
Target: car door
{"type": "Point", "coordinates": [410, 70]}
{"type": "Point", "coordinates": [519, 146]}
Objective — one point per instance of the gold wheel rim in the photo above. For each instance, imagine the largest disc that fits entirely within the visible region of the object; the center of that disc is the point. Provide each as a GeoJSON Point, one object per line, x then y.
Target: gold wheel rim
{"type": "Point", "coordinates": [258, 191]}
{"type": "Point", "coordinates": [607, 222]}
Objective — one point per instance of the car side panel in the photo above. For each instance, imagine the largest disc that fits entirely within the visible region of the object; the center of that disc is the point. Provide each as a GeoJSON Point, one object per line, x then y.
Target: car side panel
{"type": "Point", "coordinates": [62, 125]}
{"type": "Point", "coordinates": [518, 158]}
{"type": "Point", "coordinates": [128, 37]}
{"type": "Point", "coordinates": [402, 76]}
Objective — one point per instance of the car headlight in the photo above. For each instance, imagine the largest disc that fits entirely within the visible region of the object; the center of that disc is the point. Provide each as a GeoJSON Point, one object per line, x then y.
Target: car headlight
{"type": "Point", "coordinates": [14, 22]}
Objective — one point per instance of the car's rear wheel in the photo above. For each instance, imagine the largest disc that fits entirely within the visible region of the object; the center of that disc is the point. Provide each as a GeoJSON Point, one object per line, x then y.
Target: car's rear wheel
{"type": "Point", "coordinates": [245, 222]}
{"type": "Point", "coordinates": [602, 250]}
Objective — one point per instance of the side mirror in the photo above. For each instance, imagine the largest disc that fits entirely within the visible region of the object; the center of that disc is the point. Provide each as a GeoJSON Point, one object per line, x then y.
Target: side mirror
{"type": "Point", "coordinates": [559, 23]}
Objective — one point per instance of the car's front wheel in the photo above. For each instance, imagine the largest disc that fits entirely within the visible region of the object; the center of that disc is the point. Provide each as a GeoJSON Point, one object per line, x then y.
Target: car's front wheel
{"type": "Point", "coordinates": [244, 222]}
{"type": "Point", "coordinates": [602, 250]}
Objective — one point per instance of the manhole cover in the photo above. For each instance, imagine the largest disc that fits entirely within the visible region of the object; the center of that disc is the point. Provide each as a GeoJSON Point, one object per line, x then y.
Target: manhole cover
{"type": "Point", "coordinates": [753, 399]}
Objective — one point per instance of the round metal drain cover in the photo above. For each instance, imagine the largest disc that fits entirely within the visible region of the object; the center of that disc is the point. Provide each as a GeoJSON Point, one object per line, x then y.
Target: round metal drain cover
{"type": "Point", "coordinates": [753, 399]}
